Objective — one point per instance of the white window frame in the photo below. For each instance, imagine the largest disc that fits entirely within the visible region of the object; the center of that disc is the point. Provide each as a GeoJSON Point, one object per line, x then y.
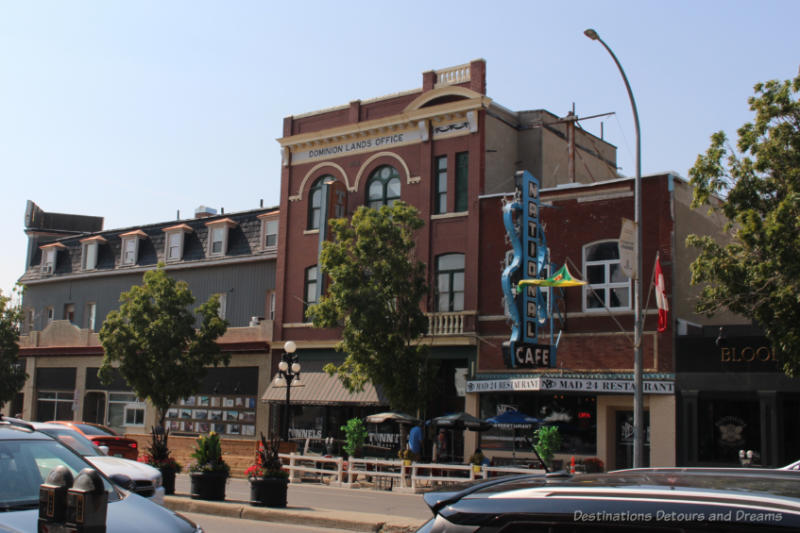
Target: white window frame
{"type": "Point", "coordinates": [270, 305]}
{"type": "Point", "coordinates": [179, 232]}
{"type": "Point", "coordinates": [266, 233]}
{"type": "Point", "coordinates": [452, 292]}
{"type": "Point", "coordinates": [607, 285]}
{"type": "Point", "coordinates": [49, 259]}
{"type": "Point", "coordinates": [89, 255]}
{"type": "Point", "coordinates": [223, 304]}
{"type": "Point", "coordinates": [91, 315]}
{"type": "Point", "coordinates": [133, 407]}
{"type": "Point", "coordinates": [222, 226]}
{"type": "Point", "coordinates": [129, 257]}
{"type": "Point", "coordinates": [49, 315]}
{"type": "Point", "coordinates": [69, 309]}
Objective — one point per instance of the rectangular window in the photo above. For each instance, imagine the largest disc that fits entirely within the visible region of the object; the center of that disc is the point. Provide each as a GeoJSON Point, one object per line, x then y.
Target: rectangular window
{"type": "Point", "coordinates": [174, 245]}
{"type": "Point", "coordinates": [440, 177]}
{"type": "Point", "coordinates": [310, 289]}
{"type": "Point", "coordinates": [129, 250]}
{"type": "Point", "coordinates": [49, 260]}
{"type": "Point", "coordinates": [223, 305]}
{"type": "Point", "coordinates": [270, 314]}
{"type": "Point", "coordinates": [91, 315]}
{"type": "Point", "coordinates": [462, 175]}
{"type": "Point", "coordinates": [89, 255]}
{"type": "Point", "coordinates": [54, 405]}
{"type": "Point", "coordinates": [450, 283]}
{"type": "Point", "coordinates": [271, 233]}
{"type": "Point", "coordinates": [69, 312]}
{"type": "Point", "coordinates": [124, 409]}
{"type": "Point", "coordinates": [50, 314]}
{"type": "Point", "coordinates": [218, 240]}
{"type": "Point", "coordinates": [134, 415]}
{"type": "Point", "coordinates": [29, 317]}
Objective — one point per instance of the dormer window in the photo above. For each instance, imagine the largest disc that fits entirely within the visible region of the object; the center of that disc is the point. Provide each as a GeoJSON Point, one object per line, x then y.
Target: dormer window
{"type": "Point", "coordinates": [269, 230]}
{"type": "Point", "coordinates": [218, 236]}
{"type": "Point", "coordinates": [50, 256]}
{"type": "Point", "coordinates": [173, 241]}
{"type": "Point", "coordinates": [89, 249]}
{"type": "Point", "coordinates": [130, 247]}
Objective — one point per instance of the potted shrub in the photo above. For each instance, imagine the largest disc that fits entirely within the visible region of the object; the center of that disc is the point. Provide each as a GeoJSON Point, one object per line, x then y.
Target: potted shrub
{"type": "Point", "coordinates": [210, 472]}
{"type": "Point", "coordinates": [355, 435]}
{"type": "Point", "coordinates": [268, 481]}
{"type": "Point", "coordinates": [159, 456]}
{"type": "Point", "coordinates": [547, 443]}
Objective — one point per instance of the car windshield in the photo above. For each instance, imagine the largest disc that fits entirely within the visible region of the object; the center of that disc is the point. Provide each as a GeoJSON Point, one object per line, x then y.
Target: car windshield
{"type": "Point", "coordinates": [74, 440]}
{"type": "Point", "coordinates": [94, 430]}
{"type": "Point", "coordinates": [25, 464]}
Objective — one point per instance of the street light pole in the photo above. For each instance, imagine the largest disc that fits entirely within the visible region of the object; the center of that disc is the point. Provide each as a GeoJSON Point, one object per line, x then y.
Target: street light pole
{"type": "Point", "coordinates": [638, 393]}
{"type": "Point", "coordinates": [288, 372]}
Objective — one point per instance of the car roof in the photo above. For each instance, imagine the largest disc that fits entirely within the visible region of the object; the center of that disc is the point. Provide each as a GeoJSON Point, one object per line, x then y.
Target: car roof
{"type": "Point", "coordinates": [711, 485]}
{"type": "Point", "coordinates": [18, 430]}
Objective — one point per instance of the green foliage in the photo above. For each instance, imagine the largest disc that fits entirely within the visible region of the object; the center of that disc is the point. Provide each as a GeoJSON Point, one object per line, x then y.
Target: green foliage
{"type": "Point", "coordinates": [268, 461]}
{"type": "Point", "coordinates": [208, 455]}
{"type": "Point", "coordinates": [12, 369]}
{"type": "Point", "coordinates": [547, 441]}
{"type": "Point", "coordinates": [757, 273]}
{"type": "Point", "coordinates": [376, 286]}
{"type": "Point", "coordinates": [158, 454]}
{"type": "Point", "coordinates": [153, 338]}
{"type": "Point", "coordinates": [355, 435]}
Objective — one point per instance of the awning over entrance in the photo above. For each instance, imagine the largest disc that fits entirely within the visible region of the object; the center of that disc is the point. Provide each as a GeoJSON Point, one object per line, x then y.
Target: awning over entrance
{"type": "Point", "coordinates": [322, 389]}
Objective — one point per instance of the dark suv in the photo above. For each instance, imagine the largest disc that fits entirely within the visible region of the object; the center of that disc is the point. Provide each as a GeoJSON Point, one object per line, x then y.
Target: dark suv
{"type": "Point", "coordinates": [658, 499]}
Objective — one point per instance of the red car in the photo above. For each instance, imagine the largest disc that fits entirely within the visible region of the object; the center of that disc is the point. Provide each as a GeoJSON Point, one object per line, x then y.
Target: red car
{"type": "Point", "coordinates": [102, 436]}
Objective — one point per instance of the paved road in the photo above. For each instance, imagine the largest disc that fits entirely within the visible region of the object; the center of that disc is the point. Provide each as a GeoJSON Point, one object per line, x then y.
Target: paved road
{"type": "Point", "coordinates": [314, 496]}
{"type": "Point", "coordinates": [221, 524]}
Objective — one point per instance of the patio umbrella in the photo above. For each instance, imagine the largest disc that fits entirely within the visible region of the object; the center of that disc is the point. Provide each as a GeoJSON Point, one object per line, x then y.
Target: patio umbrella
{"type": "Point", "coordinates": [514, 420]}
{"type": "Point", "coordinates": [392, 416]}
{"type": "Point", "coordinates": [460, 421]}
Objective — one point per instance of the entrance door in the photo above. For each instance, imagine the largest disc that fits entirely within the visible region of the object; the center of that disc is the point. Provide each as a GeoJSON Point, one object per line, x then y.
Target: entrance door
{"type": "Point", "coordinates": [624, 439]}
{"type": "Point", "coordinates": [94, 407]}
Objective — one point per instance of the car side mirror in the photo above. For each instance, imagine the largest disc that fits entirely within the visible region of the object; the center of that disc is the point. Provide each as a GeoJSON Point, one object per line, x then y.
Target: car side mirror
{"type": "Point", "coordinates": [123, 481]}
{"type": "Point", "coordinates": [104, 449]}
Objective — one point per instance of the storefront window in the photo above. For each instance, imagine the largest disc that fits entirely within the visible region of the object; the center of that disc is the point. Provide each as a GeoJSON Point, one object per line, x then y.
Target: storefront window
{"type": "Point", "coordinates": [575, 416]}
{"type": "Point", "coordinates": [54, 405]}
{"type": "Point", "coordinates": [725, 426]}
{"type": "Point", "coordinates": [124, 410]}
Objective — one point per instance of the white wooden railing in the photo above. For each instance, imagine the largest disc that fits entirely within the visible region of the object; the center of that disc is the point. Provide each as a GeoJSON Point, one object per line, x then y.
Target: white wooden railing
{"type": "Point", "coordinates": [446, 323]}
{"type": "Point", "coordinates": [412, 477]}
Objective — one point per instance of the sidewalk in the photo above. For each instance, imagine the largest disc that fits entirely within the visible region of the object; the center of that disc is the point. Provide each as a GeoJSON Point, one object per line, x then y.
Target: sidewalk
{"type": "Point", "coordinates": [323, 518]}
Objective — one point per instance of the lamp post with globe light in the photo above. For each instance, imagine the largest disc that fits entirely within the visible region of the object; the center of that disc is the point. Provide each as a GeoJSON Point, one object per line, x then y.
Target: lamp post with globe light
{"type": "Point", "coordinates": [288, 376]}
{"type": "Point", "coordinates": [638, 398]}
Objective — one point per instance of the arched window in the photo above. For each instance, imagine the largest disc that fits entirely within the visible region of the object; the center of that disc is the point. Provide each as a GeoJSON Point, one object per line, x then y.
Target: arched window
{"type": "Point", "coordinates": [450, 283]}
{"type": "Point", "coordinates": [383, 187]}
{"type": "Point", "coordinates": [315, 203]}
{"type": "Point", "coordinates": [608, 286]}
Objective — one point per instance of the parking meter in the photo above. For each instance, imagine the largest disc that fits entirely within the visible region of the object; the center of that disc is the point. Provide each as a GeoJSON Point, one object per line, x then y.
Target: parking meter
{"type": "Point", "coordinates": [87, 503]}
{"type": "Point", "coordinates": [53, 499]}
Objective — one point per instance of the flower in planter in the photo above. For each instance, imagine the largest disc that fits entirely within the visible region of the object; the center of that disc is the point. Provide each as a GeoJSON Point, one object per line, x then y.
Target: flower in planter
{"type": "Point", "coordinates": [268, 462]}
{"type": "Point", "coordinates": [208, 455]}
{"type": "Point", "coordinates": [593, 464]}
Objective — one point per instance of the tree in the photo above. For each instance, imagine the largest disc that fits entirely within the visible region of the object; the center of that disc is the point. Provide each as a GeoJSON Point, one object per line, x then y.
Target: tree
{"type": "Point", "coordinates": [376, 286]}
{"type": "Point", "coordinates": [756, 274]}
{"type": "Point", "coordinates": [12, 370]}
{"type": "Point", "coordinates": [153, 338]}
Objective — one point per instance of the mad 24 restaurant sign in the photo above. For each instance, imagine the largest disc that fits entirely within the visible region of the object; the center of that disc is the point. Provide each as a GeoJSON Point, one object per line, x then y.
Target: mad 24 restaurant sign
{"type": "Point", "coordinates": [546, 383]}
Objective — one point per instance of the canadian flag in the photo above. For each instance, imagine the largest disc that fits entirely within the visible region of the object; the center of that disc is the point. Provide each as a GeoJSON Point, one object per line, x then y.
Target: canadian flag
{"type": "Point", "coordinates": [661, 297]}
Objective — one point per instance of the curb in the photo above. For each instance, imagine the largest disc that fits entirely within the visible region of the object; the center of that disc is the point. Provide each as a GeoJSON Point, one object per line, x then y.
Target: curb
{"type": "Point", "coordinates": [326, 518]}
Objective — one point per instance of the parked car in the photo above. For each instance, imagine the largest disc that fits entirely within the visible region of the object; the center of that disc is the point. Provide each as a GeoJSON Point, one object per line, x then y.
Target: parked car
{"type": "Point", "coordinates": [28, 456]}
{"type": "Point", "coordinates": [663, 500]}
{"type": "Point", "coordinates": [146, 479]}
{"type": "Point", "coordinates": [118, 446]}
{"type": "Point", "coordinates": [791, 466]}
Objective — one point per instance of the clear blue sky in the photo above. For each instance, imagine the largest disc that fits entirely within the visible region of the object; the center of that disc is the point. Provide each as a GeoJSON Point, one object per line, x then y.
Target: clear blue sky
{"type": "Point", "coordinates": [135, 110]}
